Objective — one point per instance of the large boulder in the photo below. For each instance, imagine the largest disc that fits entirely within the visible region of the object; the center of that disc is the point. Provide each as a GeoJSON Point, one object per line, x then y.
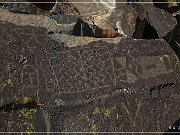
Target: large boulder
{"type": "Point", "coordinates": [57, 76]}
{"type": "Point", "coordinates": [129, 82]}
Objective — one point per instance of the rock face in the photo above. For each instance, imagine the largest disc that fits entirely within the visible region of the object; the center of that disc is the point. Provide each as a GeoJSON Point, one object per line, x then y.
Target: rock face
{"type": "Point", "coordinates": [123, 16]}
{"type": "Point", "coordinates": [98, 74]}
{"type": "Point", "coordinates": [158, 19]}
{"type": "Point", "coordinates": [65, 73]}
{"type": "Point", "coordinates": [120, 16]}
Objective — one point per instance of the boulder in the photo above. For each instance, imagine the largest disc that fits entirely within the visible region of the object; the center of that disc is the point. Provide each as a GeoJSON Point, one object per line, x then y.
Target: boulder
{"type": "Point", "coordinates": [88, 80]}
{"type": "Point", "coordinates": [66, 74]}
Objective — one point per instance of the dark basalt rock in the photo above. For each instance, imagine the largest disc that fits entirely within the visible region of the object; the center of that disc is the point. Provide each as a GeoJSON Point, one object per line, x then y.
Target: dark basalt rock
{"type": "Point", "coordinates": [67, 23]}
{"type": "Point", "coordinates": [96, 86]}
{"type": "Point", "coordinates": [64, 19]}
{"type": "Point", "coordinates": [126, 16]}
{"type": "Point", "coordinates": [47, 7]}
{"type": "Point", "coordinates": [123, 17]}
{"type": "Point", "coordinates": [129, 86]}
{"type": "Point", "coordinates": [161, 20]}
{"type": "Point", "coordinates": [22, 8]}
{"type": "Point", "coordinates": [115, 114]}
{"type": "Point", "coordinates": [83, 68]}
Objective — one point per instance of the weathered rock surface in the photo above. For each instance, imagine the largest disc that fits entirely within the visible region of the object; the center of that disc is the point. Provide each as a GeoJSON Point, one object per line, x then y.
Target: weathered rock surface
{"type": "Point", "coordinates": [161, 20]}
{"type": "Point", "coordinates": [41, 21]}
{"type": "Point", "coordinates": [76, 26]}
{"type": "Point", "coordinates": [86, 84]}
{"type": "Point", "coordinates": [53, 81]}
{"type": "Point", "coordinates": [121, 16]}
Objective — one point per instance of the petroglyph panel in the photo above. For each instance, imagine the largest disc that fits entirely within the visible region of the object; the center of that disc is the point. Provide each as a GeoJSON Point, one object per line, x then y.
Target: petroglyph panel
{"type": "Point", "coordinates": [78, 69]}
{"type": "Point", "coordinates": [40, 67]}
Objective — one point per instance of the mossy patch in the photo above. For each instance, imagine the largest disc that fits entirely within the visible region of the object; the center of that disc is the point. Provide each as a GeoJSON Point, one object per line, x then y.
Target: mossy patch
{"type": "Point", "coordinates": [24, 100]}
{"type": "Point", "coordinates": [25, 117]}
{"type": "Point", "coordinates": [96, 111]}
{"type": "Point", "coordinates": [165, 58]}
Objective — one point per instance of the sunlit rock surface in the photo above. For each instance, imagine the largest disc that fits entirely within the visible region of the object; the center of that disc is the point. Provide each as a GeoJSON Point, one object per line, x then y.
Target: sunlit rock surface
{"type": "Point", "coordinates": [52, 80]}
{"type": "Point", "coordinates": [89, 78]}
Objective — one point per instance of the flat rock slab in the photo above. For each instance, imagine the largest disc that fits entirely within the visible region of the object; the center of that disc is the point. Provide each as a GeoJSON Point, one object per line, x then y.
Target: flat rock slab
{"type": "Point", "coordinates": [115, 114]}
{"type": "Point", "coordinates": [34, 62]}
{"type": "Point", "coordinates": [93, 82]}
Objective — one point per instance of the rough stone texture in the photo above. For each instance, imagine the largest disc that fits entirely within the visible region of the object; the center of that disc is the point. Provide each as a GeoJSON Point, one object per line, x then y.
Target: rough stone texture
{"type": "Point", "coordinates": [65, 8]}
{"type": "Point", "coordinates": [23, 8]}
{"type": "Point", "coordinates": [161, 20]}
{"type": "Point", "coordinates": [64, 19]}
{"type": "Point", "coordinates": [107, 15]}
{"type": "Point", "coordinates": [124, 18]}
{"type": "Point", "coordinates": [85, 83]}
{"type": "Point", "coordinates": [97, 12]}
{"type": "Point", "coordinates": [117, 113]}
{"type": "Point", "coordinates": [72, 41]}
{"type": "Point", "coordinates": [78, 27]}
{"type": "Point", "coordinates": [45, 8]}
{"type": "Point", "coordinates": [132, 82]}
{"type": "Point", "coordinates": [36, 20]}
{"type": "Point", "coordinates": [66, 23]}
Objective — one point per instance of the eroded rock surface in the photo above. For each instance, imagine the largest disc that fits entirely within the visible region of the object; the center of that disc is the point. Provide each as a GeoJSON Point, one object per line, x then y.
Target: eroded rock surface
{"type": "Point", "coordinates": [56, 77]}
{"type": "Point", "coordinates": [33, 65]}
